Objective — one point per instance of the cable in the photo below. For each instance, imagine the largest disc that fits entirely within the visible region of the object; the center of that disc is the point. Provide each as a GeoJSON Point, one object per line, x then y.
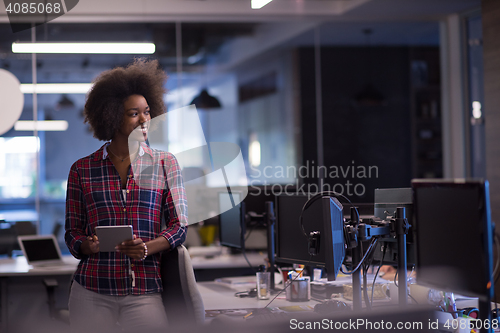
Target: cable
{"type": "Point", "coordinates": [365, 291]}
{"type": "Point", "coordinates": [497, 243]}
{"type": "Point", "coordinates": [497, 264]}
{"type": "Point", "coordinates": [362, 260]}
{"type": "Point", "coordinates": [316, 197]}
{"type": "Point", "coordinates": [378, 270]}
{"type": "Point", "coordinates": [365, 273]}
{"type": "Point", "coordinates": [248, 261]}
{"type": "Point", "coordinates": [249, 232]}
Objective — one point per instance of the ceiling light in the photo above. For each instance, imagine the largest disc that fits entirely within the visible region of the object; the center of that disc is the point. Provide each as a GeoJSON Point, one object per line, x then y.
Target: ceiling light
{"type": "Point", "coordinates": [257, 4]}
{"type": "Point", "coordinates": [56, 88]}
{"type": "Point", "coordinates": [369, 96]}
{"type": "Point", "coordinates": [86, 48]}
{"type": "Point", "coordinates": [46, 125]}
{"type": "Point", "coordinates": [254, 153]}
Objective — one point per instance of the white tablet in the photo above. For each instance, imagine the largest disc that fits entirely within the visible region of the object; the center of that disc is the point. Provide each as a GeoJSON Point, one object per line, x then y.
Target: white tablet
{"type": "Point", "coordinates": [111, 236]}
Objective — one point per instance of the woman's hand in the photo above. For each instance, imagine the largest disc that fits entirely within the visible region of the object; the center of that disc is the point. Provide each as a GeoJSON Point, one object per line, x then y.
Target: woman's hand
{"type": "Point", "coordinates": [90, 245]}
{"type": "Point", "coordinates": [134, 248]}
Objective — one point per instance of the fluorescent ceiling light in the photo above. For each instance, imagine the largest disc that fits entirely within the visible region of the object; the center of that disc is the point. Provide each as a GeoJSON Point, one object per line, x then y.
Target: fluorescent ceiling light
{"type": "Point", "coordinates": [46, 125]}
{"type": "Point", "coordinates": [258, 4]}
{"type": "Point", "coordinates": [73, 47]}
{"type": "Point", "coordinates": [56, 88]}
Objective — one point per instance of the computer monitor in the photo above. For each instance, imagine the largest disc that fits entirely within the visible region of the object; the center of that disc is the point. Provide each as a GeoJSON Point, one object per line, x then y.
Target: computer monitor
{"type": "Point", "coordinates": [232, 220]}
{"type": "Point", "coordinates": [325, 216]}
{"type": "Point", "coordinates": [454, 236]}
{"type": "Point", "coordinates": [387, 200]}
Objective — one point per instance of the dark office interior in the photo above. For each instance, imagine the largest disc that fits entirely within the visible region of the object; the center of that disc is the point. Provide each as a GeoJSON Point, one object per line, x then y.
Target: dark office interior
{"type": "Point", "coordinates": [353, 96]}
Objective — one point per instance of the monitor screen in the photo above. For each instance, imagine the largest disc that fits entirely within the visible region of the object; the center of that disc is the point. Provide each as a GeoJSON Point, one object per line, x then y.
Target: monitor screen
{"type": "Point", "coordinates": [387, 201]}
{"type": "Point", "coordinates": [255, 201]}
{"type": "Point", "coordinates": [325, 216]}
{"type": "Point", "coordinates": [231, 221]}
{"type": "Point", "coordinates": [454, 236]}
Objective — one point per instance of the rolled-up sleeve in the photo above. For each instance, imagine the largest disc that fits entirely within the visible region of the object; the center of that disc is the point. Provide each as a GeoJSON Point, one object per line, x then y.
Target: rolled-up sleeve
{"type": "Point", "coordinates": [175, 209]}
{"type": "Point", "coordinates": [76, 216]}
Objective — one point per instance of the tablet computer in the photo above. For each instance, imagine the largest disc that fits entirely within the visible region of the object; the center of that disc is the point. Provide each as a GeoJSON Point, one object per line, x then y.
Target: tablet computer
{"type": "Point", "coordinates": [111, 236]}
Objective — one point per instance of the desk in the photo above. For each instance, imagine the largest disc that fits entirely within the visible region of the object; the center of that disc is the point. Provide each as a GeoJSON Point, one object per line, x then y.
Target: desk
{"type": "Point", "coordinates": [208, 269]}
{"type": "Point", "coordinates": [24, 296]}
{"type": "Point", "coordinates": [218, 296]}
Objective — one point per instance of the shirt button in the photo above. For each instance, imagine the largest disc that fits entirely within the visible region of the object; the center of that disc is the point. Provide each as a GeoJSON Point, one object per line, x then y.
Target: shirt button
{"type": "Point", "coordinates": [124, 209]}
{"type": "Point", "coordinates": [128, 191]}
{"type": "Point", "coordinates": [132, 265]}
{"type": "Point", "coordinates": [129, 176]}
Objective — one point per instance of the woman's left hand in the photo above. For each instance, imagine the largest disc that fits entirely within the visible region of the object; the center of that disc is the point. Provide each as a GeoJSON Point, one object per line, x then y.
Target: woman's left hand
{"type": "Point", "coordinates": [134, 248]}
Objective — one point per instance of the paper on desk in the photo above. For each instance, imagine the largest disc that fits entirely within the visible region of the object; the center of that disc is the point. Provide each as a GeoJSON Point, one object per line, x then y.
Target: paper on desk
{"type": "Point", "coordinates": [238, 280]}
{"type": "Point", "coordinates": [345, 279]}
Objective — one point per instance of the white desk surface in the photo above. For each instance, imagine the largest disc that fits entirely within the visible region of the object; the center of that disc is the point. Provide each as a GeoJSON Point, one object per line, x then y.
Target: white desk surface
{"type": "Point", "coordinates": [228, 261]}
{"type": "Point", "coordinates": [18, 266]}
{"type": "Point", "coordinates": [219, 296]}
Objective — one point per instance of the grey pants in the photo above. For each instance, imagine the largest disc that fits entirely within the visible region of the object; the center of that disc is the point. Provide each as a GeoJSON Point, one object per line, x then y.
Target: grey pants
{"type": "Point", "coordinates": [93, 312]}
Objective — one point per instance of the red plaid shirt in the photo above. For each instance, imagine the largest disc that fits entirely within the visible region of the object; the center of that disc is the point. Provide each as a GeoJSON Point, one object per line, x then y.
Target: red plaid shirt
{"type": "Point", "coordinates": [95, 198]}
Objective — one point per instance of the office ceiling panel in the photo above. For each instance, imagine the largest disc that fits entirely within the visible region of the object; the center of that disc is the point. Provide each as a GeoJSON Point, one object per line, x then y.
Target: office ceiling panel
{"type": "Point", "coordinates": [240, 10]}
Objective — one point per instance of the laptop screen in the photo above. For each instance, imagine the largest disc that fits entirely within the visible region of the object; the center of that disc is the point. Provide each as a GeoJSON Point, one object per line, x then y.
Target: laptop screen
{"type": "Point", "coordinates": [40, 249]}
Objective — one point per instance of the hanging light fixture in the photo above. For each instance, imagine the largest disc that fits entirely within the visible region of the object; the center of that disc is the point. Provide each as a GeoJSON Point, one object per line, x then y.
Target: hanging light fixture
{"type": "Point", "coordinates": [369, 95]}
{"type": "Point", "coordinates": [206, 101]}
{"type": "Point", "coordinates": [64, 103]}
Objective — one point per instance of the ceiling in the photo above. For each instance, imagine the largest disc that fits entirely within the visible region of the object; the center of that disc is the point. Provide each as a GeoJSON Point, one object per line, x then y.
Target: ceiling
{"type": "Point", "coordinates": [240, 11]}
{"type": "Point", "coordinates": [224, 29]}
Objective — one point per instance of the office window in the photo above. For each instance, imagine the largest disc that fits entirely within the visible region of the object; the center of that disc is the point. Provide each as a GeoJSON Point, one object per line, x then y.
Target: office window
{"type": "Point", "coordinates": [18, 166]}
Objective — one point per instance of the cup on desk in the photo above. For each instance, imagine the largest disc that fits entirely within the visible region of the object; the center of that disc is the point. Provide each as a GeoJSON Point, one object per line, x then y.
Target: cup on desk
{"type": "Point", "coordinates": [263, 283]}
{"type": "Point", "coordinates": [298, 289]}
{"type": "Point", "coordinates": [285, 271]}
{"type": "Point", "coordinates": [317, 274]}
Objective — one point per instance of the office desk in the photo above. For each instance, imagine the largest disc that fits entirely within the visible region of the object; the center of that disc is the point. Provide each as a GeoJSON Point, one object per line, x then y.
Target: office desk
{"type": "Point", "coordinates": [24, 295]}
{"type": "Point", "coordinates": [208, 269]}
{"type": "Point", "coordinates": [219, 296]}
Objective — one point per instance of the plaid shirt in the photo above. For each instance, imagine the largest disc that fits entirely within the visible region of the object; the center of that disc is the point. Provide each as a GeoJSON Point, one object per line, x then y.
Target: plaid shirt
{"type": "Point", "coordinates": [95, 198]}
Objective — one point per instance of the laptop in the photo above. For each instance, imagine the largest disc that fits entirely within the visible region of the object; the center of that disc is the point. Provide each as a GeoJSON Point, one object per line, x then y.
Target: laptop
{"type": "Point", "coordinates": [41, 250]}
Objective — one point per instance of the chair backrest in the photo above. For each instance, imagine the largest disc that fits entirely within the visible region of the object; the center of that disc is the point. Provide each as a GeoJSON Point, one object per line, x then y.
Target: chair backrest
{"type": "Point", "coordinates": [181, 297]}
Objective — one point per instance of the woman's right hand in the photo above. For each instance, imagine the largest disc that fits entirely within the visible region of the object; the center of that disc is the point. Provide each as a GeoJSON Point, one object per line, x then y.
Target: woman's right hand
{"type": "Point", "coordinates": [90, 245]}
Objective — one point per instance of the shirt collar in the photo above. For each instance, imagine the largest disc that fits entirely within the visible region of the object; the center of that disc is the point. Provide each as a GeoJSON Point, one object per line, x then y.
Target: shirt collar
{"type": "Point", "coordinates": [105, 150]}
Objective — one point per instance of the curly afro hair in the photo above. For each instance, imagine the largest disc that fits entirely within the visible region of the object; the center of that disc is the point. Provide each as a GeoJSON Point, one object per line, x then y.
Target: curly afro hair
{"type": "Point", "coordinates": [104, 106]}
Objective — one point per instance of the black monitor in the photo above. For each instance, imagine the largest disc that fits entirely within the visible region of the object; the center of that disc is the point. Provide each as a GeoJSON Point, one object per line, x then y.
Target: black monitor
{"type": "Point", "coordinates": [258, 195]}
{"type": "Point", "coordinates": [325, 216]}
{"type": "Point", "coordinates": [232, 220]}
{"type": "Point", "coordinates": [387, 200]}
{"type": "Point", "coordinates": [454, 236]}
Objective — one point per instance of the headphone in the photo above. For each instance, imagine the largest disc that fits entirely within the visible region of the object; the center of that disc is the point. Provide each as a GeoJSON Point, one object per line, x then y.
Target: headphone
{"type": "Point", "coordinates": [314, 237]}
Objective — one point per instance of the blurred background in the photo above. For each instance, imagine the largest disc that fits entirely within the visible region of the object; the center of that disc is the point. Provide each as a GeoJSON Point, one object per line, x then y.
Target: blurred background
{"type": "Point", "coordinates": [352, 94]}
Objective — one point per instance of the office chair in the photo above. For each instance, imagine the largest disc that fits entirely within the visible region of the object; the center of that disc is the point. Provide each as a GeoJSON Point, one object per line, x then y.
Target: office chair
{"type": "Point", "coordinates": [181, 297]}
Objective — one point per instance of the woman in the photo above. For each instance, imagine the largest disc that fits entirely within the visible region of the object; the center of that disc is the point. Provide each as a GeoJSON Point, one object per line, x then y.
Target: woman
{"type": "Point", "coordinates": [109, 187]}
